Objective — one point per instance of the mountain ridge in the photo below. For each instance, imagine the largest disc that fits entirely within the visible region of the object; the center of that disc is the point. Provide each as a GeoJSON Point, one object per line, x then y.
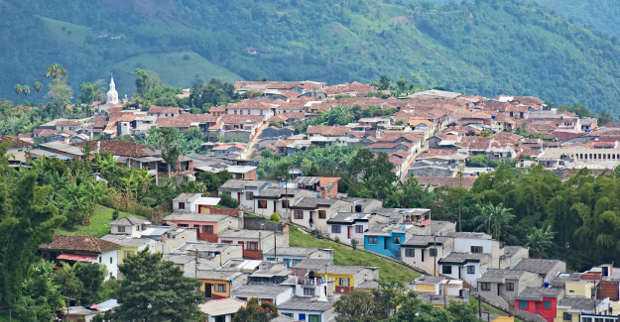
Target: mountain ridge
{"type": "Point", "coordinates": [477, 47]}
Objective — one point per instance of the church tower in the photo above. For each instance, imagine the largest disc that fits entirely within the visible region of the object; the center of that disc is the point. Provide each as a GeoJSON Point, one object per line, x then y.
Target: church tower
{"type": "Point", "coordinates": [112, 95]}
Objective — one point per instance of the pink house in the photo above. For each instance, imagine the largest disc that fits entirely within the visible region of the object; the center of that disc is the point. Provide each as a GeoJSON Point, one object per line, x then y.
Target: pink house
{"type": "Point", "coordinates": [208, 226]}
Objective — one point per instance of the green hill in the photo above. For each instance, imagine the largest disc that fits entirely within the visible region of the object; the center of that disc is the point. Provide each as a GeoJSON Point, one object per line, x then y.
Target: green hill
{"type": "Point", "coordinates": [602, 15]}
{"type": "Point", "coordinates": [480, 46]}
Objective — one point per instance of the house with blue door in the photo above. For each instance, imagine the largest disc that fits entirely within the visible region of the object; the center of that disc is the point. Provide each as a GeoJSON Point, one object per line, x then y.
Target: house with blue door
{"type": "Point", "coordinates": [385, 239]}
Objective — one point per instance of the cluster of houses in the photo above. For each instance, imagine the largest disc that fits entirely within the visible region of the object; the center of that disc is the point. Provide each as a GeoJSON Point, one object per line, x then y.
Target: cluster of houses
{"type": "Point", "coordinates": [441, 138]}
{"type": "Point", "coordinates": [233, 256]}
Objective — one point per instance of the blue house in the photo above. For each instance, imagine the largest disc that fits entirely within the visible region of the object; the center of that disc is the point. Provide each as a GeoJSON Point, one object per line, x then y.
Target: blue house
{"type": "Point", "coordinates": [385, 239]}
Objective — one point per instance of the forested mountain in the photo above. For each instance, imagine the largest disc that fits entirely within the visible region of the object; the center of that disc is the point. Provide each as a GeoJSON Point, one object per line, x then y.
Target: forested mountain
{"type": "Point", "coordinates": [484, 46]}
{"type": "Point", "coordinates": [601, 15]}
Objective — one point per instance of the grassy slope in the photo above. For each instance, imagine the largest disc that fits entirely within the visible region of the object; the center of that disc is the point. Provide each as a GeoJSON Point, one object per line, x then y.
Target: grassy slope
{"type": "Point", "coordinates": [99, 224]}
{"type": "Point", "coordinates": [177, 68]}
{"type": "Point", "coordinates": [388, 270]}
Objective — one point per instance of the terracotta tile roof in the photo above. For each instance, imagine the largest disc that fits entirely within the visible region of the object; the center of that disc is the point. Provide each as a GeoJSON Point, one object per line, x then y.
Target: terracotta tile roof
{"type": "Point", "coordinates": [123, 148]}
{"type": "Point", "coordinates": [476, 143]}
{"type": "Point", "coordinates": [383, 145]}
{"type": "Point", "coordinates": [288, 116]}
{"type": "Point", "coordinates": [350, 88]}
{"type": "Point", "coordinates": [79, 243]}
{"type": "Point", "coordinates": [14, 142]}
{"type": "Point", "coordinates": [393, 136]}
{"type": "Point", "coordinates": [240, 119]}
{"type": "Point", "coordinates": [327, 130]}
{"type": "Point", "coordinates": [164, 110]}
{"type": "Point", "coordinates": [253, 103]}
{"type": "Point", "coordinates": [186, 120]}
{"type": "Point", "coordinates": [448, 182]}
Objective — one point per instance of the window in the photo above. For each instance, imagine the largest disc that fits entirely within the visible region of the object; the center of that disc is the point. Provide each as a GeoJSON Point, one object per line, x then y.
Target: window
{"type": "Point", "coordinates": [567, 316]}
{"type": "Point", "coordinates": [359, 229]}
{"type": "Point", "coordinates": [343, 282]}
{"type": "Point", "coordinates": [299, 214]}
{"type": "Point", "coordinates": [224, 241]}
{"type": "Point", "coordinates": [285, 203]}
{"type": "Point", "coordinates": [314, 318]}
{"type": "Point", "coordinates": [547, 305]}
{"type": "Point", "coordinates": [484, 286]}
{"type": "Point", "coordinates": [262, 204]}
{"type": "Point", "coordinates": [249, 195]}
{"type": "Point", "coordinates": [181, 205]}
{"type": "Point", "coordinates": [523, 305]}
{"type": "Point", "coordinates": [290, 315]}
{"type": "Point", "coordinates": [308, 291]}
{"type": "Point", "coordinates": [99, 259]}
{"type": "Point", "coordinates": [302, 317]}
{"type": "Point", "coordinates": [510, 286]}
{"type": "Point", "coordinates": [207, 229]}
{"type": "Point", "coordinates": [476, 249]}
{"type": "Point", "coordinates": [322, 214]}
{"type": "Point", "coordinates": [251, 245]}
{"type": "Point", "coordinates": [336, 229]}
{"type": "Point", "coordinates": [372, 240]}
{"type": "Point", "coordinates": [220, 288]}
{"type": "Point", "coordinates": [409, 252]}
{"type": "Point", "coordinates": [397, 240]}
{"type": "Point", "coordinates": [471, 269]}
{"type": "Point", "coordinates": [446, 269]}
{"type": "Point", "coordinates": [121, 229]}
{"type": "Point", "coordinates": [111, 259]}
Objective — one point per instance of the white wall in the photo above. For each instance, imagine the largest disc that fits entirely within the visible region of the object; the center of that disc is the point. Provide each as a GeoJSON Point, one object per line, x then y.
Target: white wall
{"type": "Point", "coordinates": [110, 261]}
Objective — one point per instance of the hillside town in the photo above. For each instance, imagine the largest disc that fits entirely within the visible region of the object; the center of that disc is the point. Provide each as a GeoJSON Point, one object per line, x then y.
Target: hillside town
{"type": "Point", "coordinates": [235, 241]}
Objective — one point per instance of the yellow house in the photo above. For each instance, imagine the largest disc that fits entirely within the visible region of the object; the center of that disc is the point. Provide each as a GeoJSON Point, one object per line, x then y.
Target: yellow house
{"type": "Point", "coordinates": [575, 287]}
{"type": "Point", "coordinates": [570, 308]}
{"type": "Point", "coordinates": [342, 279]}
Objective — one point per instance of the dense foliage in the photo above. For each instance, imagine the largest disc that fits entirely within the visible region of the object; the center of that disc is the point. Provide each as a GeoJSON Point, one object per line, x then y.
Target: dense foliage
{"type": "Point", "coordinates": [392, 303]}
{"type": "Point", "coordinates": [478, 46]}
{"type": "Point", "coordinates": [577, 220]}
{"type": "Point", "coordinates": [156, 290]}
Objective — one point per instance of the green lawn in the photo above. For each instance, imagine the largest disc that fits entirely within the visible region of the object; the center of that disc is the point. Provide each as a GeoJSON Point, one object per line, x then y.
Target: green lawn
{"type": "Point", "coordinates": [99, 224]}
{"type": "Point", "coordinates": [388, 271]}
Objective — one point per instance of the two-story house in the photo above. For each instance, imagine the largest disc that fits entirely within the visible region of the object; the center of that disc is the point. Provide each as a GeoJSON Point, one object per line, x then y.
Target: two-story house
{"type": "Point", "coordinates": [255, 242]}
{"type": "Point", "coordinates": [348, 227]}
{"type": "Point", "coordinates": [477, 243]}
{"type": "Point", "coordinates": [217, 283]}
{"type": "Point", "coordinates": [313, 213]}
{"type": "Point", "coordinates": [547, 269]}
{"type": "Point", "coordinates": [467, 267]}
{"type": "Point", "coordinates": [506, 284]}
{"type": "Point", "coordinates": [424, 252]}
{"type": "Point", "coordinates": [342, 279]}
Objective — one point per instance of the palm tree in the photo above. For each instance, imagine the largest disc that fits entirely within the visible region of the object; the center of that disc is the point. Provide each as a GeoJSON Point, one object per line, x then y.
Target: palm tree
{"type": "Point", "coordinates": [56, 71]}
{"type": "Point", "coordinates": [494, 219]}
{"type": "Point", "coordinates": [540, 241]}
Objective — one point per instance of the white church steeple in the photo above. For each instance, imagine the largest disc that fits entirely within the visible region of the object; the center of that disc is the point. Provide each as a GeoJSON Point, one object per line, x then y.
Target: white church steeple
{"type": "Point", "coordinates": [112, 95]}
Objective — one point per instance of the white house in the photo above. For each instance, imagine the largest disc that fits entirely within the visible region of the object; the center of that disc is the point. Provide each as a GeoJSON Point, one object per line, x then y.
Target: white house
{"type": "Point", "coordinates": [132, 226]}
{"type": "Point", "coordinates": [221, 310]}
{"type": "Point", "coordinates": [467, 267]}
{"type": "Point", "coordinates": [347, 227]}
{"type": "Point", "coordinates": [477, 243]}
{"type": "Point", "coordinates": [193, 202]}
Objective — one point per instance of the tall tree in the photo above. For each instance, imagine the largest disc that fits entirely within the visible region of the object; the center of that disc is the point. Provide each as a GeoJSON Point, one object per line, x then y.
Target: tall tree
{"type": "Point", "coordinates": [89, 92]}
{"type": "Point", "coordinates": [540, 241]}
{"type": "Point", "coordinates": [91, 277]}
{"type": "Point", "coordinates": [28, 218]}
{"type": "Point", "coordinates": [156, 290]}
{"type": "Point", "coordinates": [39, 298]}
{"type": "Point", "coordinates": [169, 141]}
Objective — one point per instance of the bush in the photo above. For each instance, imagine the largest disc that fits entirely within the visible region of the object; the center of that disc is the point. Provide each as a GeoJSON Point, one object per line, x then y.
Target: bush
{"type": "Point", "coordinates": [275, 217]}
